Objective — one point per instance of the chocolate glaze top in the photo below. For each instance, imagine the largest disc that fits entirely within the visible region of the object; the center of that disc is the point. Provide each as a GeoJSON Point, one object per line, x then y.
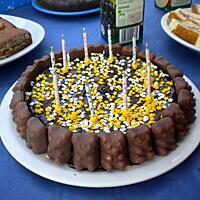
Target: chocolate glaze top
{"type": "Point", "coordinates": [105, 82]}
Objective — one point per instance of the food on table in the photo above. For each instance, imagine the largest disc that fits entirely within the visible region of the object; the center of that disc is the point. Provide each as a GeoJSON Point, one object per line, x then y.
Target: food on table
{"type": "Point", "coordinates": [186, 31]}
{"type": "Point", "coordinates": [113, 151]}
{"type": "Point", "coordinates": [140, 144]}
{"type": "Point", "coordinates": [69, 5]}
{"type": "Point", "coordinates": [12, 39]}
{"type": "Point", "coordinates": [196, 8]}
{"type": "Point", "coordinates": [163, 132]}
{"type": "Point", "coordinates": [86, 151]}
{"type": "Point", "coordinates": [180, 122]}
{"type": "Point", "coordinates": [59, 148]}
{"type": "Point", "coordinates": [186, 25]}
{"type": "Point", "coordinates": [184, 15]}
{"type": "Point", "coordinates": [36, 135]}
{"type": "Point", "coordinates": [90, 127]}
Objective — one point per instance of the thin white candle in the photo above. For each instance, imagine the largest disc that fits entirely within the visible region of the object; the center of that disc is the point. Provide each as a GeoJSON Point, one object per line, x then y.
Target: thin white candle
{"type": "Point", "coordinates": [55, 81]}
{"type": "Point", "coordinates": [148, 64]}
{"type": "Point", "coordinates": [89, 99]}
{"type": "Point", "coordinates": [52, 56]}
{"type": "Point", "coordinates": [134, 49]}
{"type": "Point", "coordinates": [55, 86]}
{"type": "Point", "coordinates": [85, 46]}
{"type": "Point", "coordinates": [68, 57]}
{"type": "Point", "coordinates": [110, 44]}
{"type": "Point", "coordinates": [124, 91]}
{"type": "Point", "coordinates": [64, 52]}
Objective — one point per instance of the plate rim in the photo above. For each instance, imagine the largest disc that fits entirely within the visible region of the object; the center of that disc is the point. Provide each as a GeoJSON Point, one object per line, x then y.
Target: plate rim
{"type": "Point", "coordinates": [59, 13]}
{"type": "Point", "coordinates": [6, 101]}
{"type": "Point", "coordinates": [29, 48]}
{"type": "Point", "coordinates": [165, 27]}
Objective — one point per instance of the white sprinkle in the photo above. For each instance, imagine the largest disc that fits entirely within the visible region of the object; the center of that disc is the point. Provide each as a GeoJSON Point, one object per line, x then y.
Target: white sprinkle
{"type": "Point", "coordinates": [106, 129]}
{"type": "Point", "coordinates": [145, 118]}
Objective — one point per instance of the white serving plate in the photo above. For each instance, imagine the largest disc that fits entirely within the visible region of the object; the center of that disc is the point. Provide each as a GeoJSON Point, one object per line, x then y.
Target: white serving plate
{"type": "Point", "coordinates": [36, 30]}
{"type": "Point", "coordinates": [165, 27]}
{"type": "Point", "coordinates": [66, 175]}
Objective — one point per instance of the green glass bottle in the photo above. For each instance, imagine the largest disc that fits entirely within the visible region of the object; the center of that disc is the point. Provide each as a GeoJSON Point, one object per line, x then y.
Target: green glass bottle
{"type": "Point", "coordinates": [168, 5]}
{"type": "Point", "coordinates": [125, 17]}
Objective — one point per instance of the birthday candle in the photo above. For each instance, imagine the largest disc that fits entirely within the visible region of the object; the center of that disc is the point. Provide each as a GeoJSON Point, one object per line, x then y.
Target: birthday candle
{"type": "Point", "coordinates": [85, 43]}
{"type": "Point", "coordinates": [102, 58]}
{"type": "Point", "coordinates": [52, 56]}
{"type": "Point", "coordinates": [68, 57]}
{"type": "Point", "coordinates": [124, 91]}
{"type": "Point", "coordinates": [64, 51]}
{"type": "Point", "coordinates": [110, 42]}
{"type": "Point", "coordinates": [89, 99]}
{"type": "Point", "coordinates": [134, 49]}
{"type": "Point", "coordinates": [55, 81]}
{"type": "Point", "coordinates": [148, 64]}
{"type": "Point", "coordinates": [68, 60]}
{"type": "Point", "coordinates": [55, 86]}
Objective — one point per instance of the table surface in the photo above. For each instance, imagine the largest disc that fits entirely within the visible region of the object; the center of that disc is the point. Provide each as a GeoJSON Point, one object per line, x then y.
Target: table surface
{"type": "Point", "coordinates": [16, 182]}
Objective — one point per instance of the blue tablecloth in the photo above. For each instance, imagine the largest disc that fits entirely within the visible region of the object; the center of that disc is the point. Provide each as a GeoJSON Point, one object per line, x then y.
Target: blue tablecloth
{"type": "Point", "coordinates": [16, 182]}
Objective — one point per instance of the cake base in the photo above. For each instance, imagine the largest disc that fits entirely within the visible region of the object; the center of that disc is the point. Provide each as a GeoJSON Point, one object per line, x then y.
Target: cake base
{"type": "Point", "coordinates": [67, 175]}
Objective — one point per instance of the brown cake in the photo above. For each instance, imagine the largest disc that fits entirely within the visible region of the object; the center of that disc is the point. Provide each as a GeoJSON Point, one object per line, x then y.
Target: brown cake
{"type": "Point", "coordinates": [114, 138]}
{"type": "Point", "coordinates": [69, 5]}
{"type": "Point", "coordinates": [12, 39]}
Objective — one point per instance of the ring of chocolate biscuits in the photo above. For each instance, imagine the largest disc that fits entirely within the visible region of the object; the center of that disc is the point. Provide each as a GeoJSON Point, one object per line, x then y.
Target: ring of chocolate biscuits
{"type": "Point", "coordinates": [108, 151]}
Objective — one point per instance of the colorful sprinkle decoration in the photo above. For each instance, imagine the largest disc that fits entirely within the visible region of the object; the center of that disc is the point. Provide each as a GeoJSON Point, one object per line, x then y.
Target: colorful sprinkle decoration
{"type": "Point", "coordinates": [100, 107]}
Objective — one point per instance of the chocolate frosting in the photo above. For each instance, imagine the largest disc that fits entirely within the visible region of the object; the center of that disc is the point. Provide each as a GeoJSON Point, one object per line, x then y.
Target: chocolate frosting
{"type": "Point", "coordinates": [36, 136]}
{"type": "Point", "coordinates": [59, 147]}
{"type": "Point", "coordinates": [164, 136]}
{"type": "Point", "coordinates": [139, 144]}
{"type": "Point", "coordinates": [21, 115]}
{"type": "Point", "coordinates": [86, 151]}
{"type": "Point", "coordinates": [113, 151]}
{"type": "Point", "coordinates": [176, 113]}
{"type": "Point", "coordinates": [161, 62]}
{"type": "Point", "coordinates": [18, 96]}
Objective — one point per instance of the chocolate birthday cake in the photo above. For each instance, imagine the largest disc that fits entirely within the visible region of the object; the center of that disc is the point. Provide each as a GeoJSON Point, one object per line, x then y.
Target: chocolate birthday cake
{"type": "Point", "coordinates": [69, 5]}
{"type": "Point", "coordinates": [113, 138]}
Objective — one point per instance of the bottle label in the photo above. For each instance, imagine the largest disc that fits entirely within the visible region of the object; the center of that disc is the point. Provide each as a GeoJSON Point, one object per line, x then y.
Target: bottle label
{"type": "Point", "coordinates": [129, 12]}
{"type": "Point", "coordinates": [162, 3]}
{"type": "Point", "coordinates": [126, 34]}
{"type": "Point", "coordinates": [175, 3]}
